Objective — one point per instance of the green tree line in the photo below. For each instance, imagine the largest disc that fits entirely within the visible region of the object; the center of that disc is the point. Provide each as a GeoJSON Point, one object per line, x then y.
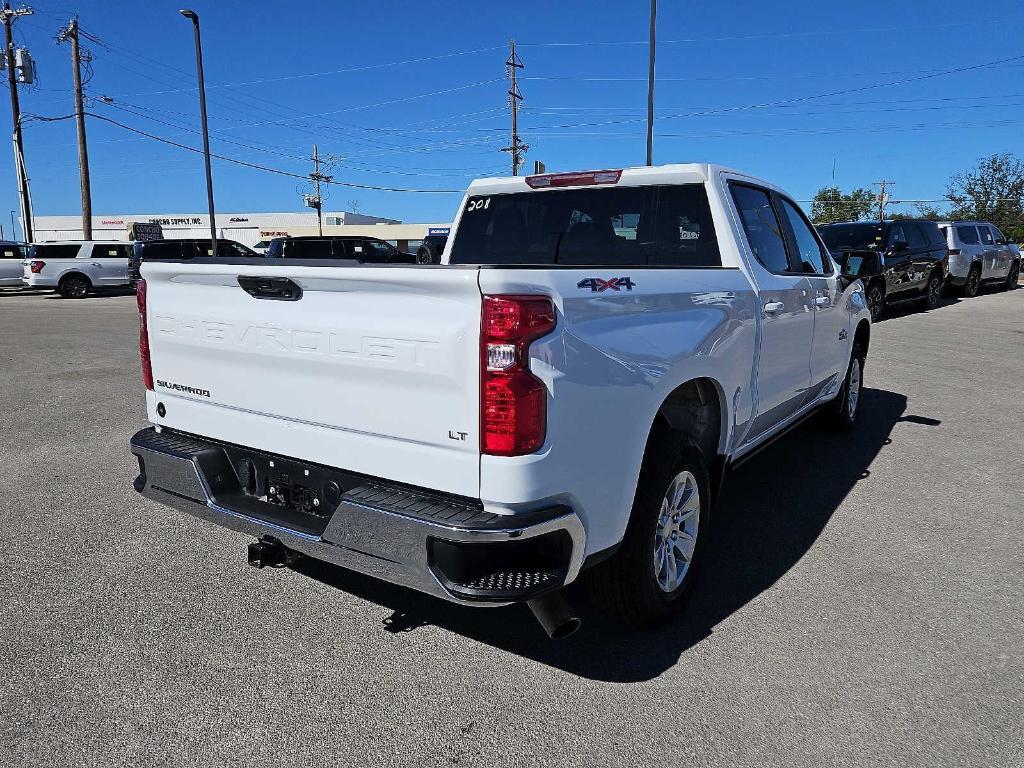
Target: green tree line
{"type": "Point", "coordinates": [992, 191]}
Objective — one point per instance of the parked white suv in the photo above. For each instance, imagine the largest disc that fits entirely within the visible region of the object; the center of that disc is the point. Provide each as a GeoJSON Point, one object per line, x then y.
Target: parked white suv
{"type": "Point", "coordinates": [12, 255]}
{"type": "Point", "coordinates": [979, 253]}
{"type": "Point", "coordinates": [564, 394]}
{"type": "Point", "coordinates": [75, 267]}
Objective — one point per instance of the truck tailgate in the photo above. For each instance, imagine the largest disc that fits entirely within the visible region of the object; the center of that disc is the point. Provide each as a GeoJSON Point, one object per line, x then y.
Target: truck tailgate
{"type": "Point", "coordinates": [374, 370]}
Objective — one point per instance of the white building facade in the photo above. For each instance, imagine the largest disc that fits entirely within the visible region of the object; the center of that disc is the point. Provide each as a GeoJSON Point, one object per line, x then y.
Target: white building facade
{"type": "Point", "coordinates": [245, 228]}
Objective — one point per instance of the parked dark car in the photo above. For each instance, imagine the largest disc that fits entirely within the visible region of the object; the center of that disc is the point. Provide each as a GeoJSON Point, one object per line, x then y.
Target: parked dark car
{"type": "Point", "coordinates": [190, 248]}
{"type": "Point", "coordinates": [896, 260]}
{"type": "Point", "coordinates": [432, 247]}
{"type": "Point", "coordinates": [365, 250]}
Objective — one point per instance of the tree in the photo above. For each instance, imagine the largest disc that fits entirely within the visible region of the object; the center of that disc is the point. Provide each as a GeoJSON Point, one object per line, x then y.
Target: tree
{"type": "Point", "coordinates": [924, 211]}
{"type": "Point", "coordinates": [994, 191]}
{"type": "Point", "coordinates": [831, 204]}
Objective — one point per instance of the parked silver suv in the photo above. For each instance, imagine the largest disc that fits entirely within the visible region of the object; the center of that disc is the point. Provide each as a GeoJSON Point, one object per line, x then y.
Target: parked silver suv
{"type": "Point", "coordinates": [979, 253]}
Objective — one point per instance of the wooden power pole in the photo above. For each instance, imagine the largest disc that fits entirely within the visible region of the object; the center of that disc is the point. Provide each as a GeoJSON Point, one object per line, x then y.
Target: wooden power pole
{"type": "Point", "coordinates": [71, 33]}
{"type": "Point", "coordinates": [9, 16]}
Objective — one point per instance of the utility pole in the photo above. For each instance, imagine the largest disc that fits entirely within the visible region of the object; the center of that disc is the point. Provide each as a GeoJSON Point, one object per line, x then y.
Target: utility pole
{"type": "Point", "coordinates": [71, 33]}
{"type": "Point", "coordinates": [517, 148]}
{"type": "Point", "coordinates": [882, 197]}
{"type": "Point", "coordinates": [19, 151]}
{"type": "Point", "coordinates": [316, 200]}
{"type": "Point", "coordinates": [650, 86]}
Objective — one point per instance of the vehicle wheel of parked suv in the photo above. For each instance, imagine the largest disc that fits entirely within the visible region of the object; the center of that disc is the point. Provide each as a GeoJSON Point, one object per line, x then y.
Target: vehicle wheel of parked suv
{"type": "Point", "coordinates": [1014, 277]}
{"type": "Point", "coordinates": [876, 301]}
{"type": "Point", "coordinates": [424, 256]}
{"type": "Point", "coordinates": [645, 582]}
{"type": "Point", "coordinates": [973, 282]}
{"type": "Point", "coordinates": [74, 287]}
{"type": "Point", "coordinates": [933, 291]}
{"type": "Point", "coordinates": [844, 411]}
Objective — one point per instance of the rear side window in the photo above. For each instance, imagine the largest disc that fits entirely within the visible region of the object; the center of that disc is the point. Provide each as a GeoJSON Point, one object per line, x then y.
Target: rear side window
{"type": "Point", "coordinates": [915, 239]}
{"type": "Point", "coordinates": [12, 252]}
{"type": "Point", "coordinates": [986, 235]}
{"type": "Point", "coordinates": [764, 234]}
{"type": "Point", "coordinates": [967, 235]}
{"type": "Point", "coordinates": [112, 251]}
{"type": "Point", "coordinates": [933, 235]}
{"type": "Point", "coordinates": [160, 251]}
{"type": "Point", "coordinates": [602, 226]}
{"type": "Point", "coordinates": [307, 249]}
{"type": "Point", "coordinates": [804, 243]}
{"type": "Point", "coordinates": [54, 251]}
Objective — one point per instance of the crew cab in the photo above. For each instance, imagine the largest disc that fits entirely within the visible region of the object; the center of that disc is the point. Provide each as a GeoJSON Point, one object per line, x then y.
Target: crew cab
{"type": "Point", "coordinates": [900, 260]}
{"type": "Point", "coordinates": [561, 398]}
{"type": "Point", "coordinates": [75, 268]}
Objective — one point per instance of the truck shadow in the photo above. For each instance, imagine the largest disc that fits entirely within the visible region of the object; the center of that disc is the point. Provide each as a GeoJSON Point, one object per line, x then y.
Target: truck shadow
{"type": "Point", "coordinates": [773, 510]}
{"type": "Point", "coordinates": [903, 308]}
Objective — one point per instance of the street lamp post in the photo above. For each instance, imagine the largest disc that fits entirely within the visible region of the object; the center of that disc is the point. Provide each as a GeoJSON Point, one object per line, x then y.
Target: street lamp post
{"type": "Point", "coordinates": [206, 133]}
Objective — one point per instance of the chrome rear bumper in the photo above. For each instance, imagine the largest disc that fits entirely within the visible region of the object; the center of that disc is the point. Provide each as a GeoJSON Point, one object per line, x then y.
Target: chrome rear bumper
{"type": "Point", "coordinates": [445, 546]}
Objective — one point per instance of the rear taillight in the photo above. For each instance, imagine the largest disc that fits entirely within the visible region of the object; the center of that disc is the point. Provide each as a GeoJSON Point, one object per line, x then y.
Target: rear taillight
{"type": "Point", "coordinates": [37, 266]}
{"type": "Point", "coordinates": [147, 363]}
{"type": "Point", "coordinates": [513, 402]}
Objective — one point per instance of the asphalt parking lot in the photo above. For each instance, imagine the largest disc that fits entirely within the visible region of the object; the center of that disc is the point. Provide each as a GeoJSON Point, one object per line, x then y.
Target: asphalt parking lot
{"type": "Point", "coordinates": [862, 603]}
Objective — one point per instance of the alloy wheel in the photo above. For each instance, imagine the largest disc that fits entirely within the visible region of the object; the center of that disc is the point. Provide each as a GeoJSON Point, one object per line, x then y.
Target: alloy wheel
{"type": "Point", "coordinates": [675, 535]}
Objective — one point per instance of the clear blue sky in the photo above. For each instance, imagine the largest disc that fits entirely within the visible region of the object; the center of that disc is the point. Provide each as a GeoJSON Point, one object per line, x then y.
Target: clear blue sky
{"type": "Point", "coordinates": [749, 84]}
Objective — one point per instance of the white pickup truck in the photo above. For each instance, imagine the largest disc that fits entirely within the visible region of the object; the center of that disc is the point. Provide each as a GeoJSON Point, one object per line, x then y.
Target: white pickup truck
{"type": "Point", "coordinates": [563, 395]}
{"type": "Point", "coordinates": [75, 268]}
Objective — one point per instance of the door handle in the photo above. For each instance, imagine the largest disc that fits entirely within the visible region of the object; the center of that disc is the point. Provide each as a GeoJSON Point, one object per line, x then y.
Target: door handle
{"type": "Point", "coordinates": [773, 307]}
{"type": "Point", "coordinates": [274, 288]}
{"type": "Point", "coordinates": [823, 301]}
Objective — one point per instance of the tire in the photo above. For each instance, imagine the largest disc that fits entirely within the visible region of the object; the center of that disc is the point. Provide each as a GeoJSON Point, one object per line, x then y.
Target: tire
{"type": "Point", "coordinates": [1014, 277]}
{"type": "Point", "coordinates": [875, 297]}
{"type": "Point", "coordinates": [639, 584]}
{"type": "Point", "coordinates": [423, 256]}
{"type": "Point", "coordinates": [932, 291]}
{"type": "Point", "coordinates": [973, 284]}
{"type": "Point", "coordinates": [843, 413]}
{"type": "Point", "coordinates": [74, 287]}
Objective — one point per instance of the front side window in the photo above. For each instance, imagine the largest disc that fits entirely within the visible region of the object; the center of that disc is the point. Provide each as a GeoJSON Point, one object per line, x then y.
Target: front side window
{"type": "Point", "coordinates": [805, 243]}
{"type": "Point", "coordinates": [986, 235]}
{"type": "Point", "coordinates": [600, 226]}
{"type": "Point", "coordinates": [764, 234]}
{"type": "Point", "coordinates": [380, 251]}
{"type": "Point", "coordinates": [968, 235]}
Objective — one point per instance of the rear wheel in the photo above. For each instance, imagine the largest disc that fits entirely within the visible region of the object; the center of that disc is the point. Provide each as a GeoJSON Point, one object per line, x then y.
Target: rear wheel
{"type": "Point", "coordinates": [74, 287]}
{"type": "Point", "coordinates": [846, 408]}
{"type": "Point", "coordinates": [423, 256]}
{"type": "Point", "coordinates": [973, 282]}
{"type": "Point", "coordinates": [876, 301]}
{"type": "Point", "coordinates": [1014, 277]}
{"type": "Point", "coordinates": [932, 291]}
{"type": "Point", "coordinates": [645, 583]}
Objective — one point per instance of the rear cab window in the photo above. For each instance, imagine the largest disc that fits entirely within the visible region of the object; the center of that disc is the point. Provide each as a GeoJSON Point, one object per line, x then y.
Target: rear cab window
{"type": "Point", "coordinates": [652, 225]}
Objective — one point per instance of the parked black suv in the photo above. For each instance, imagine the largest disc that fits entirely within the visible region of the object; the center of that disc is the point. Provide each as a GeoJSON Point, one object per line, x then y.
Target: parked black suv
{"type": "Point", "coordinates": [432, 247]}
{"type": "Point", "coordinates": [897, 260]}
{"type": "Point", "coordinates": [172, 250]}
{"type": "Point", "coordinates": [365, 250]}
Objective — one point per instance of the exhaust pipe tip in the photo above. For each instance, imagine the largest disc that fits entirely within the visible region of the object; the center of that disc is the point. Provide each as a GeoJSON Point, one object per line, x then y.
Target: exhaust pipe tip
{"type": "Point", "coordinates": [554, 614]}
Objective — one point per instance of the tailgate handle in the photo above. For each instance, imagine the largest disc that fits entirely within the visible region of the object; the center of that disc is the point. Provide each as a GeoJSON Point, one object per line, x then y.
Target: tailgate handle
{"type": "Point", "coordinates": [275, 288]}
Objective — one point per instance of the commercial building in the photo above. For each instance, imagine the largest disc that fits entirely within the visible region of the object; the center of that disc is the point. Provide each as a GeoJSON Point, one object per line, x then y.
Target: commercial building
{"type": "Point", "coordinates": [246, 228]}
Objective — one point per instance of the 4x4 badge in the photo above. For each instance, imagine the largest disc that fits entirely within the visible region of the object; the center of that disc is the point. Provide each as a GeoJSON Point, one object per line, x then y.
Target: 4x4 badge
{"type": "Point", "coordinates": [597, 284]}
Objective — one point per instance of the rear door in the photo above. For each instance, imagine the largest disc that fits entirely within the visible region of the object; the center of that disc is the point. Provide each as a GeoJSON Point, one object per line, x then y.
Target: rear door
{"type": "Point", "coordinates": [970, 244]}
{"type": "Point", "coordinates": [374, 370]}
{"type": "Point", "coordinates": [108, 263]}
{"type": "Point", "coordinates": [829, 352]}
{"type": "Point", "coordinates": [787, 331]}
{"type": "Point", "coordinates": [919, 252]}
